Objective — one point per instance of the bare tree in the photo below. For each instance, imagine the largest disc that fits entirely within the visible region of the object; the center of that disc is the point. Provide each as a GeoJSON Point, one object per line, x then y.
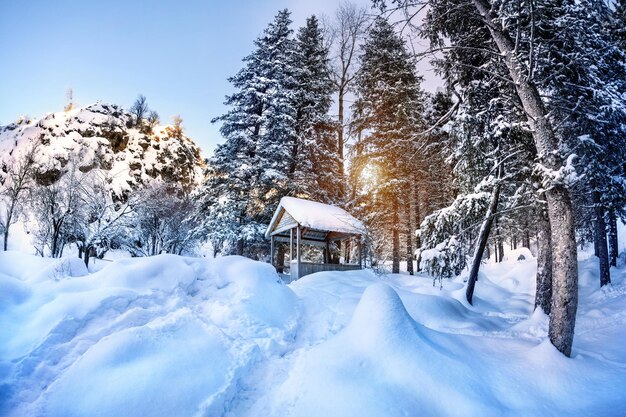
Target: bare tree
{"type": "Point", "coordinates": [153, 120]}
{"type": "Point", "coordinates": [54, 207]}
{"type": "Point", "coordinates": [345, 33]}
{"type": "Point", "coordinates": [99, 219]}
{"type": "Point", "coordinates": [162, 221]}
{"type": "Point", "coordinates": [139, 109]}
{"type": "Point", "coordinates": [176, 129]}
{"type": "Point", "coordinates": [16, 176]}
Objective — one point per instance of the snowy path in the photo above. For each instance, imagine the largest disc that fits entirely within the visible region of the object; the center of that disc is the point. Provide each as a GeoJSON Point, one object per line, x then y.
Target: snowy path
{"type": "Point", "coordinates": [172, 336]}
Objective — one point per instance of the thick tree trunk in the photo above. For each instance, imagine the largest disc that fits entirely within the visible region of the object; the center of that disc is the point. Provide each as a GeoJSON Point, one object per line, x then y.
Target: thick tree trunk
{"type": "Point", "coordinates": [564, 270]}
{"type": "Point", "coordinates": [600, 239]}
{"type": "Point", "coordinates": [409, 239]}
{"type": "Point", "coordinates": [6, 237]}
{"type": "Point", "coordinates": [543, 293]}
{"type": "Point", "coordinates": [395, 228]}
{"type": "Point", "coordinates": [613, 242]}
{"type": "Point", "coordinates": [483, 237]}
{"type": "Point", "coordinates": [565, 266]}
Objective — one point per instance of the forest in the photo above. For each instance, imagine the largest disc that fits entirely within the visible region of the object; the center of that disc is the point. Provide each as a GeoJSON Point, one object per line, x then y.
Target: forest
{"type": "Point", "coordinates": [524, 146]}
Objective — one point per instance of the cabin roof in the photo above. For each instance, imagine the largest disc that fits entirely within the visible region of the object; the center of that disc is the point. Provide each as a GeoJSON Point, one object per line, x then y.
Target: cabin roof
{"type": "Point", "coordinates": [314, 216]}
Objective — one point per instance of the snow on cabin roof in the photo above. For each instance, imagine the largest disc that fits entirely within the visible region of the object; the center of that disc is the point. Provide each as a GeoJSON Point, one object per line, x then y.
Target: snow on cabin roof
{"type": "Point", "coordinates": [318, 216]}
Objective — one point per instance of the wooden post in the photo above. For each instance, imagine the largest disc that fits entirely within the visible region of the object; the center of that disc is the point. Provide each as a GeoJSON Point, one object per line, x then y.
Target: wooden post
{"type": "Point", "coordinates": [327, 257]}
{"type": "Point", "coordinates": [272, 250]}
{"type": "Point", "coordinates": [290, 246]}
{"type": "Point", "coordinates": [298, 233]}
{"type": "Point", "coordinates": [360, 240]}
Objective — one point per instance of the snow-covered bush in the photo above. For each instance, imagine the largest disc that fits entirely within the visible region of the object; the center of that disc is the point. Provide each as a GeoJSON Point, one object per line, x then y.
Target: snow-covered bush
{"type": "Point", "coordinates": [446, 232]}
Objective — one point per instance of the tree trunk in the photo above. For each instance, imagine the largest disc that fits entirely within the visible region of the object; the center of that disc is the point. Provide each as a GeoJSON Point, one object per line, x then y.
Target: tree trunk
{"type": "Point", "coordinates": [87, 255]}
{"type": "Point", "coordinates": [340, 140]}
{"type": "Point", "coordinates": [543, 292]}
{"type": "Point", "coordinates": [613, 242]}
{"type": "Point", "coordinates": [565, 266]}
{"type": "Point", "coordinates": [499, 243]}
{"type": "Point", "coordinates": [417, 221]}
{"type": "Point", "coordinates": [395, 228]}
{"type": "Point", "coordinates": [526, 239]}
{"type": "Point", "coordinates": [280, 259]}
{"type": "Point", "coordinates": [483, 237]}
{"type": "Point", "coordinates": [596, 243]}
{"type": "Point", "coordinates": [600, 238]}
{"type": "Point", "coordinates": [564, 270]}
{"type": "Point", "coordinates": [409, 239]}
{"type": "Point", "coordinates": [240, 246]}
{"type": "Point", "coordinates": [9, 220]}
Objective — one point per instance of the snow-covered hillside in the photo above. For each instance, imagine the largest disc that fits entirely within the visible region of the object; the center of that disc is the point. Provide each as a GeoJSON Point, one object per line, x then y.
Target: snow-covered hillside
{"type": "Point", "coordinates": [174, 336]}
{"type": "Point", "coordinates": [99, 136]}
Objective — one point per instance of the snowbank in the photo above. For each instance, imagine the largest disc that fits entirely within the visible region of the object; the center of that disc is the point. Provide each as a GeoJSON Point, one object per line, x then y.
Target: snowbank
{"type": "Point", "coordinates": [170, 336]}
{"type": "Point", "coordinates": [162, 336]}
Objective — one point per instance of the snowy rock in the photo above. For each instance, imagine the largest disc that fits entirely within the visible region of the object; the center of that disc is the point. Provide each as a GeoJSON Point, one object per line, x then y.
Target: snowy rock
{"type": "Point", "coordinates": [97, 136]}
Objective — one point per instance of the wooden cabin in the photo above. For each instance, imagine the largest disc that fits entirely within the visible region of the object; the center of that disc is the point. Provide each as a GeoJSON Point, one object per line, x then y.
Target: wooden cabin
{"type": "Point", "coordinates": [304, 222]}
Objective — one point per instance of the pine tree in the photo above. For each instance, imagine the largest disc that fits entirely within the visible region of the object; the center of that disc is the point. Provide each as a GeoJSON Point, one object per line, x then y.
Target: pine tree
{"type": "Point", "coordinates": [388, 111]}
{"type": "Point", "coordinates": [249, 172]}
{"type": "Point", "coordinates": [314, 167]}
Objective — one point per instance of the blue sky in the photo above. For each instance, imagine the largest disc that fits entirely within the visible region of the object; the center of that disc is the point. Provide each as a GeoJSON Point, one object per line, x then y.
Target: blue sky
{"type": "Point", "coordinates": [178, 54]}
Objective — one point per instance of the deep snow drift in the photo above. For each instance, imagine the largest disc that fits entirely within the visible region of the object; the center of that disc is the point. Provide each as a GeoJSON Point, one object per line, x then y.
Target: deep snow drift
{"type": "Point", "coordinates": [174, 336]}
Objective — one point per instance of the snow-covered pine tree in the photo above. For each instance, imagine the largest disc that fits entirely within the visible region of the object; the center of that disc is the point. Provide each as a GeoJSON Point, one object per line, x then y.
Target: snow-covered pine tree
{"type": "Point", "coordinates": [314, 160]}
{"type": "Point", "coordinates": [387, 112]}
{"type": "Point", "coordinates": [250, 172]}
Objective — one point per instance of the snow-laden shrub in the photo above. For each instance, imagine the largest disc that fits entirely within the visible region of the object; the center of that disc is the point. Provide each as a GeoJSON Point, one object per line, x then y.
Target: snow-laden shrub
{"type": "Point", "coordinates": [445, 235]}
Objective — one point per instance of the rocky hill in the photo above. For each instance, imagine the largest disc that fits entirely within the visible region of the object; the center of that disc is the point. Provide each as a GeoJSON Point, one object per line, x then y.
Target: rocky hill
{"type": "Point", "coordinates": [104, 137]}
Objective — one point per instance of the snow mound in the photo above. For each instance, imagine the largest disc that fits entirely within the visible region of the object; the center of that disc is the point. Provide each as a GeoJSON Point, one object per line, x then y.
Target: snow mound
{"type": "Point", "coordinates": [382, 363]}
{"type": "Point", "coordinates": [380, 320]}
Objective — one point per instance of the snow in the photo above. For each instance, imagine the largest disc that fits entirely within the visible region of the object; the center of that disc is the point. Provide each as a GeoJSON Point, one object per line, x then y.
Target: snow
{"type": "Point", "coordinates": [176, 336]}
{"type": "Point", "coordinates": [319, 216]}
{"type": "Point", "coordinates": [80, 135]}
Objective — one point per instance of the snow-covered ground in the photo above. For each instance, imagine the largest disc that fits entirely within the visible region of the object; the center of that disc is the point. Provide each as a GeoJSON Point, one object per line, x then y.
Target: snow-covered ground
{"type": "Point", "coordinates": [174, 336]}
